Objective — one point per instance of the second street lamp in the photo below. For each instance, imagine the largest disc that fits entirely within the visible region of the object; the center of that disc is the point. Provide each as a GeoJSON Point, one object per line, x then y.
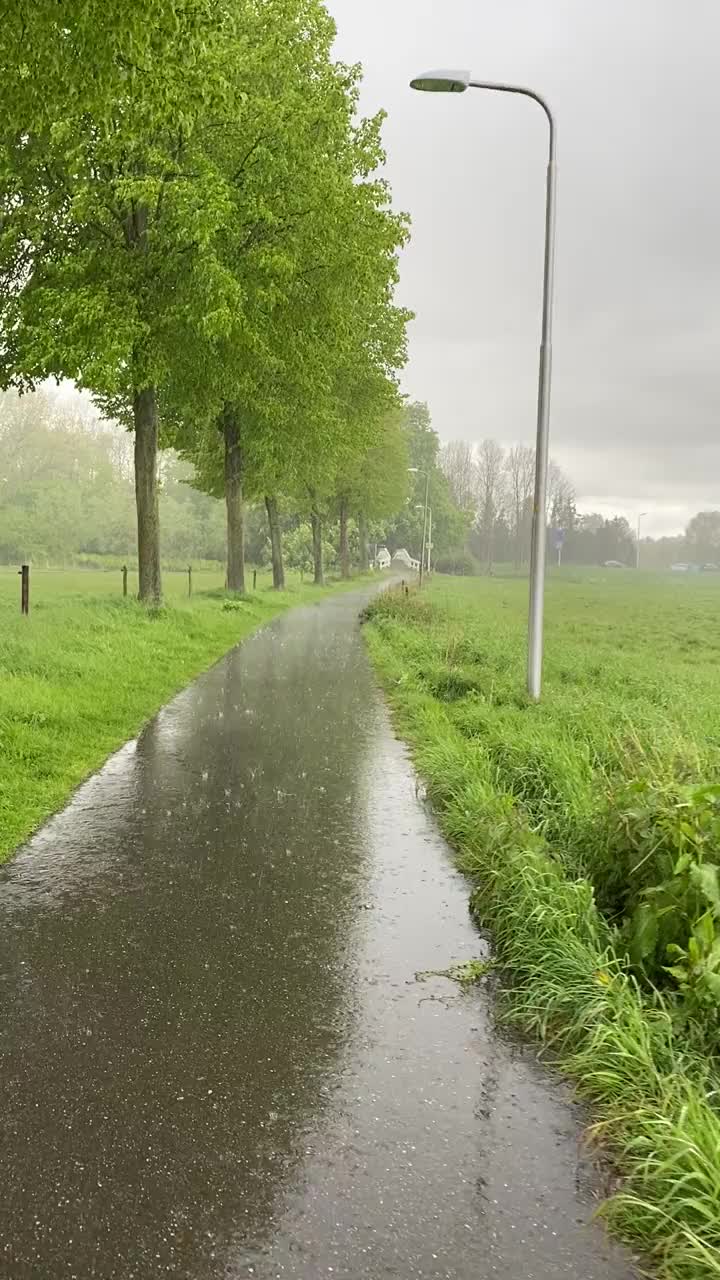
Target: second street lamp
{"type": "Point", "coordinates": [419, 507]}
{"type": "Point", "coordinates": [417, 471]}
{"type": "Point", "coordinates": [641, 517]}
{"type": "Point", "coordinates": [457, 82]}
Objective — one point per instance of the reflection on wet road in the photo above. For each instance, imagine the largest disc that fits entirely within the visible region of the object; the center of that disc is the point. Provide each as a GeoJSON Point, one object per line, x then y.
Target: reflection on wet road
{"type": "Point", "coordinates": [216, 1058]}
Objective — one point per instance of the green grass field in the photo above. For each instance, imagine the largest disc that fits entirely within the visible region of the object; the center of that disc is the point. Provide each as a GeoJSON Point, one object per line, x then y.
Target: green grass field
{"type": "Point", "coordinates": [83, 672]}
{"type": "Point", "coordinates": [590, 825]}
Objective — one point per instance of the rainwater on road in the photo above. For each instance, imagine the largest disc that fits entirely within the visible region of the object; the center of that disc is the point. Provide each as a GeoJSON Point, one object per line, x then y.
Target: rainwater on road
{"type": "Point", "coordinates": [216, 1058]}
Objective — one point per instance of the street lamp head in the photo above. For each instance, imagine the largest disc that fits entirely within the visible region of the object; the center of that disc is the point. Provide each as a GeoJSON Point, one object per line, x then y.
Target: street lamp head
{"type": "Point", "coordinates": [442, 81]}
{"type": "Point", "coordinates": [414, 470]}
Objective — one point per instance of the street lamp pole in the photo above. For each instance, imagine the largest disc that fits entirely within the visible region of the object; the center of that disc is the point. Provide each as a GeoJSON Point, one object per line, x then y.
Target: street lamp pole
{"type": "Point", "coordinates": [417, 471]}
{"type": "Point", "coordinates": [641, 517]}
{"type": "Point", "coordinates": [419, 507]}
{"type": "Point", "coordinates": [458, 82]}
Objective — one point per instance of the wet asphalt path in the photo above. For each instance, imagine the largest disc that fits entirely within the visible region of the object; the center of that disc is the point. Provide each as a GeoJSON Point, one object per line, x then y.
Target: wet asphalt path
{"type": "Point", "coordinates": [215, 1057]}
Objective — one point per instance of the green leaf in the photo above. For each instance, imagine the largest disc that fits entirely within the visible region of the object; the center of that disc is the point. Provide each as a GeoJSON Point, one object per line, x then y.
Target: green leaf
{"type": "Point", "coordinates": [643, 932]}
{"type": "Point", "coordinates": [712, 982]}
{"type": "Point", "coordinates": [704, 931]}
{"type": "Point", "coordinates": [704, 877]}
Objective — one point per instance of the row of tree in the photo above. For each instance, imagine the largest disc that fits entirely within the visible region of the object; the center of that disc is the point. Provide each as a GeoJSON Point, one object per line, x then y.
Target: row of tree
{"type": "Point", "coordinates": [67, 496]}
{"type": "Point", "coordinates": [192, 230]}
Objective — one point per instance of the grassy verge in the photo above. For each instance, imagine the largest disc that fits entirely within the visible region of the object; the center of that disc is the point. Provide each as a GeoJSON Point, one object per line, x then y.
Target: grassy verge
{"type": "Point", "coordinates": [543, 805]}
{"type": "Point", "coordinates": [86, 669]}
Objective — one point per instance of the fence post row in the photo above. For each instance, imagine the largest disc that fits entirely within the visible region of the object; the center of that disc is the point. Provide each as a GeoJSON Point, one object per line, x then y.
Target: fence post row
{"type": "Point", "coordinates": [24, 574]}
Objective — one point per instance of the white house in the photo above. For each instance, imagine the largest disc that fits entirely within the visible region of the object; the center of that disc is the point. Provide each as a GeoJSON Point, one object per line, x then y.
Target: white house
{"type": "Point", "coordinates": [383, 559]}
{"type": "Point", "coordinates": [403, 557]}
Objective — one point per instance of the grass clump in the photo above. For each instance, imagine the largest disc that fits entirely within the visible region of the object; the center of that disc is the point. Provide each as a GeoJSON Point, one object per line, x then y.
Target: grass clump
{"type": "Point", "coordinates": [592, 838]}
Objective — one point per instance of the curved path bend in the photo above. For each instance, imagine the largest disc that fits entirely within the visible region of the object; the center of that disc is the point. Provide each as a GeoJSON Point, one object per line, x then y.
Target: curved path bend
{"type": "Point", "coordinates": [216, 1060]}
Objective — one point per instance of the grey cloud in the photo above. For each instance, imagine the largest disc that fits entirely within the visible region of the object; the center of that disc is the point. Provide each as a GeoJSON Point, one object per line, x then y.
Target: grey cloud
{"type": "Point", "coordinates": [636, 398]}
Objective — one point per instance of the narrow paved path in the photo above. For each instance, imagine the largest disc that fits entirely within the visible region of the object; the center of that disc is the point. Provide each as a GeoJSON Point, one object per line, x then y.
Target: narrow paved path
{"type": "Point", "coordinates": [215, 1057]}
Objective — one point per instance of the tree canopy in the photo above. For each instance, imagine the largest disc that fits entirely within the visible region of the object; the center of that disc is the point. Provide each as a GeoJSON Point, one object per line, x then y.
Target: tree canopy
{"type": "Point", "coordinates": [200, 240]}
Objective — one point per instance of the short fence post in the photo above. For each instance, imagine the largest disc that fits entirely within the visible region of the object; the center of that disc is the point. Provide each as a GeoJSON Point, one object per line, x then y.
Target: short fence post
{"type": "Point", "coordinates": [24, 588]}
{"type": "Point", "coordinates": [254, 578]}
{"type": "Point", "coordinates": [124, 574]}
{"type": "Point", "coordinates": [189, 579]}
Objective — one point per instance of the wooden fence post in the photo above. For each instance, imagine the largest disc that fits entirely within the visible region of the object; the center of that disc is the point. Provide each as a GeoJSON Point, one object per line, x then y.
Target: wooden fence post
{"type": "Point", "coordinates": [124, 574]}
{"type": "Point", "coordinates": [189, 579]}
{"type": "Point", "coordinates": [24, 588]}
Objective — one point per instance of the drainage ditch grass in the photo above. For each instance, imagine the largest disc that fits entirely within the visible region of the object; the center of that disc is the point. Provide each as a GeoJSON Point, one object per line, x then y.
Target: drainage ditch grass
{"type": "Point", "coordinates": [590, 827]}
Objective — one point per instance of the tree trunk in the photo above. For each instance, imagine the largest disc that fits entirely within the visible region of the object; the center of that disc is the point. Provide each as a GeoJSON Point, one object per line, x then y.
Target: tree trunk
{"type": "Point", "coordinates": [278, 569]}
{"type": "Point", "coordinates": [317, 532]}
{"type": "Point", "coordinates": [344, 544]}
{"type": "Point", "coordinates": [364, 554]}
{"type": "Point", "coordinates": [146, 495]}
{"type": "Point", "coordinates": [234, 503]}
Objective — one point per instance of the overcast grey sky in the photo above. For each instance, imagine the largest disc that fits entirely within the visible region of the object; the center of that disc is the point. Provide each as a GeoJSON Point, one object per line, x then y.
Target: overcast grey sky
{"type": "Point", "coordinates": [636, 91]}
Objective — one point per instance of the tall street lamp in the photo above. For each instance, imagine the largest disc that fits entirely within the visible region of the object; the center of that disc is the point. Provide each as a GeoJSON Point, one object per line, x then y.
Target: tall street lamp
{"type": "Point", "coordinates": [417, 471]}
{"type": "Point", "coordinates": [458, 82]}
{"type": "Point", "coordinates": [641, 517]}
{"type": "Point", "coordinates": [419, 507]}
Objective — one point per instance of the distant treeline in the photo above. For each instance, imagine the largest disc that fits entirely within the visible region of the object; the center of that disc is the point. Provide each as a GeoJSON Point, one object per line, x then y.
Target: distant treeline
{"type": "Point", "coordinates": [67, 496]}
{"type": "Point", "coordinates": [495, 486]}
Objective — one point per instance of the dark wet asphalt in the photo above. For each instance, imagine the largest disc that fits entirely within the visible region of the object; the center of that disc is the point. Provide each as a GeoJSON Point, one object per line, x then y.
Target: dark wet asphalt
{"type": "Point", "coordinates": [215, 1058]}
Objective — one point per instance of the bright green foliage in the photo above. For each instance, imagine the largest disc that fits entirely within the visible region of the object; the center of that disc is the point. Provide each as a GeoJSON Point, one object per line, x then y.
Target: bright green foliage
{"type": "Point", "coordinates": [298, 546]}
{"type": "Point", "coordinates": [308, 362]}
{"type": "Point", "coordinates": [658, 876]}
{"type": "Point", "coordinates": [377, 482]}
{"type": "Point", "coordinates": [373, 485]}
{"type": "Point", "coordinates": [450, 524]}
{"type": "Point", "coordinates": [215, 237]}
{"type": "Point", "coordinates": [60, 61]}
{"type": "Point", "coordinates": [543, 803]}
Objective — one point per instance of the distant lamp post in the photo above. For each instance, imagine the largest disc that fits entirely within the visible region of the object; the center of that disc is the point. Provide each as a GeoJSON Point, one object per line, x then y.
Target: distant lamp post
{"type": "Point", "coordinates": [417, 471]}
{"type": "Point", "coordinates": [641, 517]}
{"type": "Point", "coordinates": [457, 82]}
{"type": "Point", "coordinates": [429, 547]}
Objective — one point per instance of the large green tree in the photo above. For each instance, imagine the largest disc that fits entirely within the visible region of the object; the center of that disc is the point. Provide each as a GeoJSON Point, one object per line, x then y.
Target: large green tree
{"type": "Point", "coordinates": [143, 237]}
{"type": "Point", "coordinates": [111, 205]}
{"type": "Point", "coordinates": [450, 523]}
{"type": "Point", "coordinates": [307, 369]}
{"type": "Point", "coordinates": [373, 487]}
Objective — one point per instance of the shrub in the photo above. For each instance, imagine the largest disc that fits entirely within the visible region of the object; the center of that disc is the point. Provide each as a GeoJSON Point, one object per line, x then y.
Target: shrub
{"type": "Point", "coordinates": [460, 563]}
